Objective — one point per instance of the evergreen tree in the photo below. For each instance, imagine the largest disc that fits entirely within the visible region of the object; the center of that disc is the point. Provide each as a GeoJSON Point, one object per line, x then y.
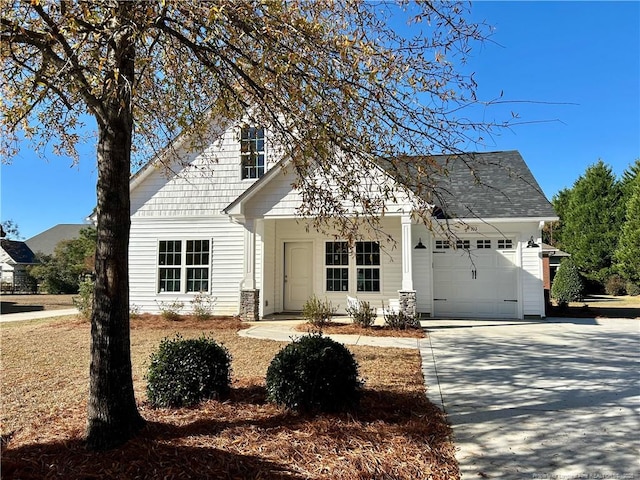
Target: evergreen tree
{"type": "Point", "coordinates": [592, 220]}
{"type": "Point", "coordinates": [627, 255]}
{"type": "Point", "coordinates": [567, 284]}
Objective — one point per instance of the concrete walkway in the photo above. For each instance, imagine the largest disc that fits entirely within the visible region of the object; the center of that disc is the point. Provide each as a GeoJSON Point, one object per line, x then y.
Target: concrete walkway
{"type": "Point", "coordinates": [552, 399]}
{"type": "Point", "coordinates": [36, 315]}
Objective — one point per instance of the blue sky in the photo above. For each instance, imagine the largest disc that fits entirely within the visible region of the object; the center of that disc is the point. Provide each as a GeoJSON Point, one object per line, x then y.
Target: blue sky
{"type": "Point", "coordinates": [579, 62]}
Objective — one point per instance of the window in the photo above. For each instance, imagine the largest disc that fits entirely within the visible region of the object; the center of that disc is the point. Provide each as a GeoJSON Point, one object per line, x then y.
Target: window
{"type": "Point", "coordinates": [483, 244]}
{"type": "Point", "coordinates": [368, 262]}
{"type": "Point", "coordinates": [466, 244]}
{"type": "Point", "coordinates": [197, 265]}
{"type": "Point", "coordinates": [442, 244]}
{"type": "Point", "coordinates": [169, 260]}
{"type": "Point", "coordinates": [252, 152]}
{"type": "Point", "coordinates": [174, 265]}
{"type": "Point", "coordinates": [367, 259]}
{"type": "Point", "coordinates": [337, 262]}
{"type": "Point", "coordinates": [505, 243]}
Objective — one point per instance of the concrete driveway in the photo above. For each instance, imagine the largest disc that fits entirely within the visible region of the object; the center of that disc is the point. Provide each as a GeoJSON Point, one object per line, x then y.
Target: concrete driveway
{"type": "Point", "coordinates": [552, 399]}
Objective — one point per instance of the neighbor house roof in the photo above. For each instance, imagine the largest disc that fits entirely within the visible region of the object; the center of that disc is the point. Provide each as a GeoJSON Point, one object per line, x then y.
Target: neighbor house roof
{"type": "Point", "coordinates": [46, 241]}
{"type": "Point", "coordinates": [477, 185]}
{"type": "Point", "coordinates": [18, 251]}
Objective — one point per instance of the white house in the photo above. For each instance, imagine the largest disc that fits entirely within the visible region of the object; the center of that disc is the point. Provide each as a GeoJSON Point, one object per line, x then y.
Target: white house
{"type": "Point", "coordinates": [224, 223]}
{"type": "Point", "coordinates": [15, 257]}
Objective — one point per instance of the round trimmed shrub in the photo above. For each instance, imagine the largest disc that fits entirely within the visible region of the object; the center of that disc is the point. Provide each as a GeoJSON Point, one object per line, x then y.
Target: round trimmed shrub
{"type": "Point", "coordinates": [184, 372]}
{"type": "Point", "coordinates": [567, 284]}
{"type": "Point", "coordinates": [314, 373]}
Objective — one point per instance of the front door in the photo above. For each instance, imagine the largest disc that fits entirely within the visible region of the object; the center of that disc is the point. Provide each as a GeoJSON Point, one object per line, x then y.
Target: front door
{"type": "Point", "coordinates": [298, 268]}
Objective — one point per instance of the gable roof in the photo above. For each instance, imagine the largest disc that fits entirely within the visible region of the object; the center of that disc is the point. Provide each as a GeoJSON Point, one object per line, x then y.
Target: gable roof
{"type": "Point", "coordinates": [45, 242]}
{"type": "Point", "coordinates": [478, 185]}
{"type": "Point", "coordinates": [488, 185]}
{"type": "Point", "coordinates": [18, 251]}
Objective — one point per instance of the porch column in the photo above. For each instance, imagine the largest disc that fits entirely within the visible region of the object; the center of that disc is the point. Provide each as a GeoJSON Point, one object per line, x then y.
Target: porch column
{"type": "Point", "coordinates": [249, 295]}
{"type": "Point", "coordinates": [407, 295]}
{"type": "Point", "coordinates": [407, 254]}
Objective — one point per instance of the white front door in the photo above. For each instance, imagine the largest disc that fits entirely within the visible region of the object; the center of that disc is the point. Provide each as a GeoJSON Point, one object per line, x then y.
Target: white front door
{"type": "Point", "coordinates": [298, 268]}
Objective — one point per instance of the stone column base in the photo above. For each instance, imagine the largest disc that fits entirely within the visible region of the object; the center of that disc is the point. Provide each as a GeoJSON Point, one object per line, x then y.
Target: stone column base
{"type": "Point", "coordinates": [249, 305]}
{"type": "Point", "coordinates": [408, 302]}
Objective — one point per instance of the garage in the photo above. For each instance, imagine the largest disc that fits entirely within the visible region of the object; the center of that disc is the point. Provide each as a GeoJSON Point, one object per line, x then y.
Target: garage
{"type": "Point", "coordinates": [477, 278]}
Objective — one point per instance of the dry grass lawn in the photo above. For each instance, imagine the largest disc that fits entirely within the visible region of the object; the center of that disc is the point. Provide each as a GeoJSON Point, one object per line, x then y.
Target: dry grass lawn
{"type": "Point", "coordinates": [396, 434]}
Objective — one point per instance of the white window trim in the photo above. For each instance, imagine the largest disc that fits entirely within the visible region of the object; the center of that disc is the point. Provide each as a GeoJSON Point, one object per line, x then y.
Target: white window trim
{"type": "Point", "coordinates": [352, 269]}
{"type": "Point", "coordinates": [183, 266]}
{"type": "Point", "coordinates": [266, 154]}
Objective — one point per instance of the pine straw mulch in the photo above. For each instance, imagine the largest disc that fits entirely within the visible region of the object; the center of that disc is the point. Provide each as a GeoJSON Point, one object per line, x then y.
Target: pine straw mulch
{"type": "Point", "coordinates": [344, 328]}
{"type": "Point", "coordinates": [396, 433]}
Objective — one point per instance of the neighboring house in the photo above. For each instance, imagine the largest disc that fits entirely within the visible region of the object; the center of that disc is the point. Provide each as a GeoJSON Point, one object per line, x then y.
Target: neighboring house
{"type": "Point", "coordinates": [15, 257]}
{"type": "Point", "coordinates": [46, 242]}
{"type": "Point", "coordinates": [229, 228]}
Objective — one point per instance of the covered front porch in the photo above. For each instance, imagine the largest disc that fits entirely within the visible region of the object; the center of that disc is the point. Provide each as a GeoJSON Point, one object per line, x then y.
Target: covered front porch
{"type": "Point", "coordinates": [285, 263]}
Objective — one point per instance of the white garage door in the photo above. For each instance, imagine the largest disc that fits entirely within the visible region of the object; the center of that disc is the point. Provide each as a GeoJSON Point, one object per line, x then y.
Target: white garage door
{"type": "Point", "coordinates": [477, 280]}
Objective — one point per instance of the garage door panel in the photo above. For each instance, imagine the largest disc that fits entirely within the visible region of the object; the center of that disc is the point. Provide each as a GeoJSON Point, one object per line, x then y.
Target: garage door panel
{"type": "Point", "coordinates": [483, 284]}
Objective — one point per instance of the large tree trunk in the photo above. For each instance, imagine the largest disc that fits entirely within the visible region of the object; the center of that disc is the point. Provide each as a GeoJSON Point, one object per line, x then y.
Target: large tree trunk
{"type": "Point", "coordinates": [113, 416]}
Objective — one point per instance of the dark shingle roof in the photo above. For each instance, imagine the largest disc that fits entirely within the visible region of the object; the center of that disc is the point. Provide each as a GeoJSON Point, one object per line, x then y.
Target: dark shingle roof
{"type": "Point", "coordinates": [46, 241]}
{"type": "Point", "coordinates": [478, 185]}
{"type": "Point", "coordinates": [18, 251]}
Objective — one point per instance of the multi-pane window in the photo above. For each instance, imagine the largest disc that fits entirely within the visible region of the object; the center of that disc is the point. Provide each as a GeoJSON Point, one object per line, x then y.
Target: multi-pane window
{"type": "Point", "coordinates": [442, 244]}
{"type": "Point", "coordinates": [465, 244]}
{"type": "Point", "coordinates": [169, 261]}
{"type": "Point", "coordinates": [174, 264]}
{"type": "Point", "coordinates": [368, 263]}
{"type": "Point", "coordinates": [505, 243]}
{"type": "Point", "coordinates": [483, 243]}
{"type": "Point", "coordinates": [337, 265]}
{"type": "Point", "coordinates": [252, 152]}
{"type": "Point", "coordinates": [197, 265]}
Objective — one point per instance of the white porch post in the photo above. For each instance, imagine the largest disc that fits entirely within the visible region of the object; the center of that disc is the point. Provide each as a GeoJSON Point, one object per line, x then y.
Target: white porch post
{"type": "Point", "coordinates": [249, 294]}
{"type": "Point", "coordinates": [407, 295]}
{"type": "Point", "coordinates": [407, 254]}
{"type": "Point", "coordinates": [249, 281]}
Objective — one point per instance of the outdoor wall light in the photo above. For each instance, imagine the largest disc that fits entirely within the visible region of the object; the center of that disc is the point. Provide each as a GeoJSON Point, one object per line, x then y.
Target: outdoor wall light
{"type": "Point", "coordinates": [531, 243]}
{"type": "Point", "coordinates": [420, 245]}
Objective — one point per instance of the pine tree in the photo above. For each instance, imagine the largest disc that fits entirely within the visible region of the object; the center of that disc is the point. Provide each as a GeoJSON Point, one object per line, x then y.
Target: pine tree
{"type": "Point", "coordinates": [592, 221]}
{"type": "Point", "coordinates": [627, 255]}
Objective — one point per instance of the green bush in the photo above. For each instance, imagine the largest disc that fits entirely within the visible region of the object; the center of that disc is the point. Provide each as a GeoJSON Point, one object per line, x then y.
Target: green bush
{"type": "Point", "coordinates": [362, 314]}
{"type": "Point", "coordinates": [314, 373]}
{"type": "Point", "coordinates": [318, 312]}
{"type": "Point", "coordinates": [398, 320]}
{"type": "Point", "coordinates": [615, 285]}
{"type": "Point", "coordinates": [185, 372]}
{"type": "Point", "coordinates": [567, 284]}
{"type": "Point", "coordinates": [84, 301]}
{"type": "Point", "coordinates": [633, 289]}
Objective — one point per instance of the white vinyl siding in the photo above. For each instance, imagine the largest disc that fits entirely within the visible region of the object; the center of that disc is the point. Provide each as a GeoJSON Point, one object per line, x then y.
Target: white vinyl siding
{"type": "Point", "coordinates": [226, 241]}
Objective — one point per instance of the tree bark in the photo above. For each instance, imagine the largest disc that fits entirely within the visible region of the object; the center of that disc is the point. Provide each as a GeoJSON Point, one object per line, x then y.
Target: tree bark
{"type": "Point", "coordinates": [113, 417]}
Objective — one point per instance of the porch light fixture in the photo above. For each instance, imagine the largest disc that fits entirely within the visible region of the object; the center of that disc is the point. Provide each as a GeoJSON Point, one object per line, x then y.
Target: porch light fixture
{"type": "Point", "coordinates": [531, 243]}
{"type": "Point", "coordinates": [420, 245]}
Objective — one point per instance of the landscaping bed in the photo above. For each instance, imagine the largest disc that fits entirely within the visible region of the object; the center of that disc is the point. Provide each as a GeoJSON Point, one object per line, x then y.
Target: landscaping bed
{"type": "Point", "coordinates": [396, 433]}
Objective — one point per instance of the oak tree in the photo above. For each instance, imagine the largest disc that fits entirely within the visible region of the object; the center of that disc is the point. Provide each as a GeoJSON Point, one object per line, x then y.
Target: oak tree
{"type": "Point", "coordinates": [335, 81]}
